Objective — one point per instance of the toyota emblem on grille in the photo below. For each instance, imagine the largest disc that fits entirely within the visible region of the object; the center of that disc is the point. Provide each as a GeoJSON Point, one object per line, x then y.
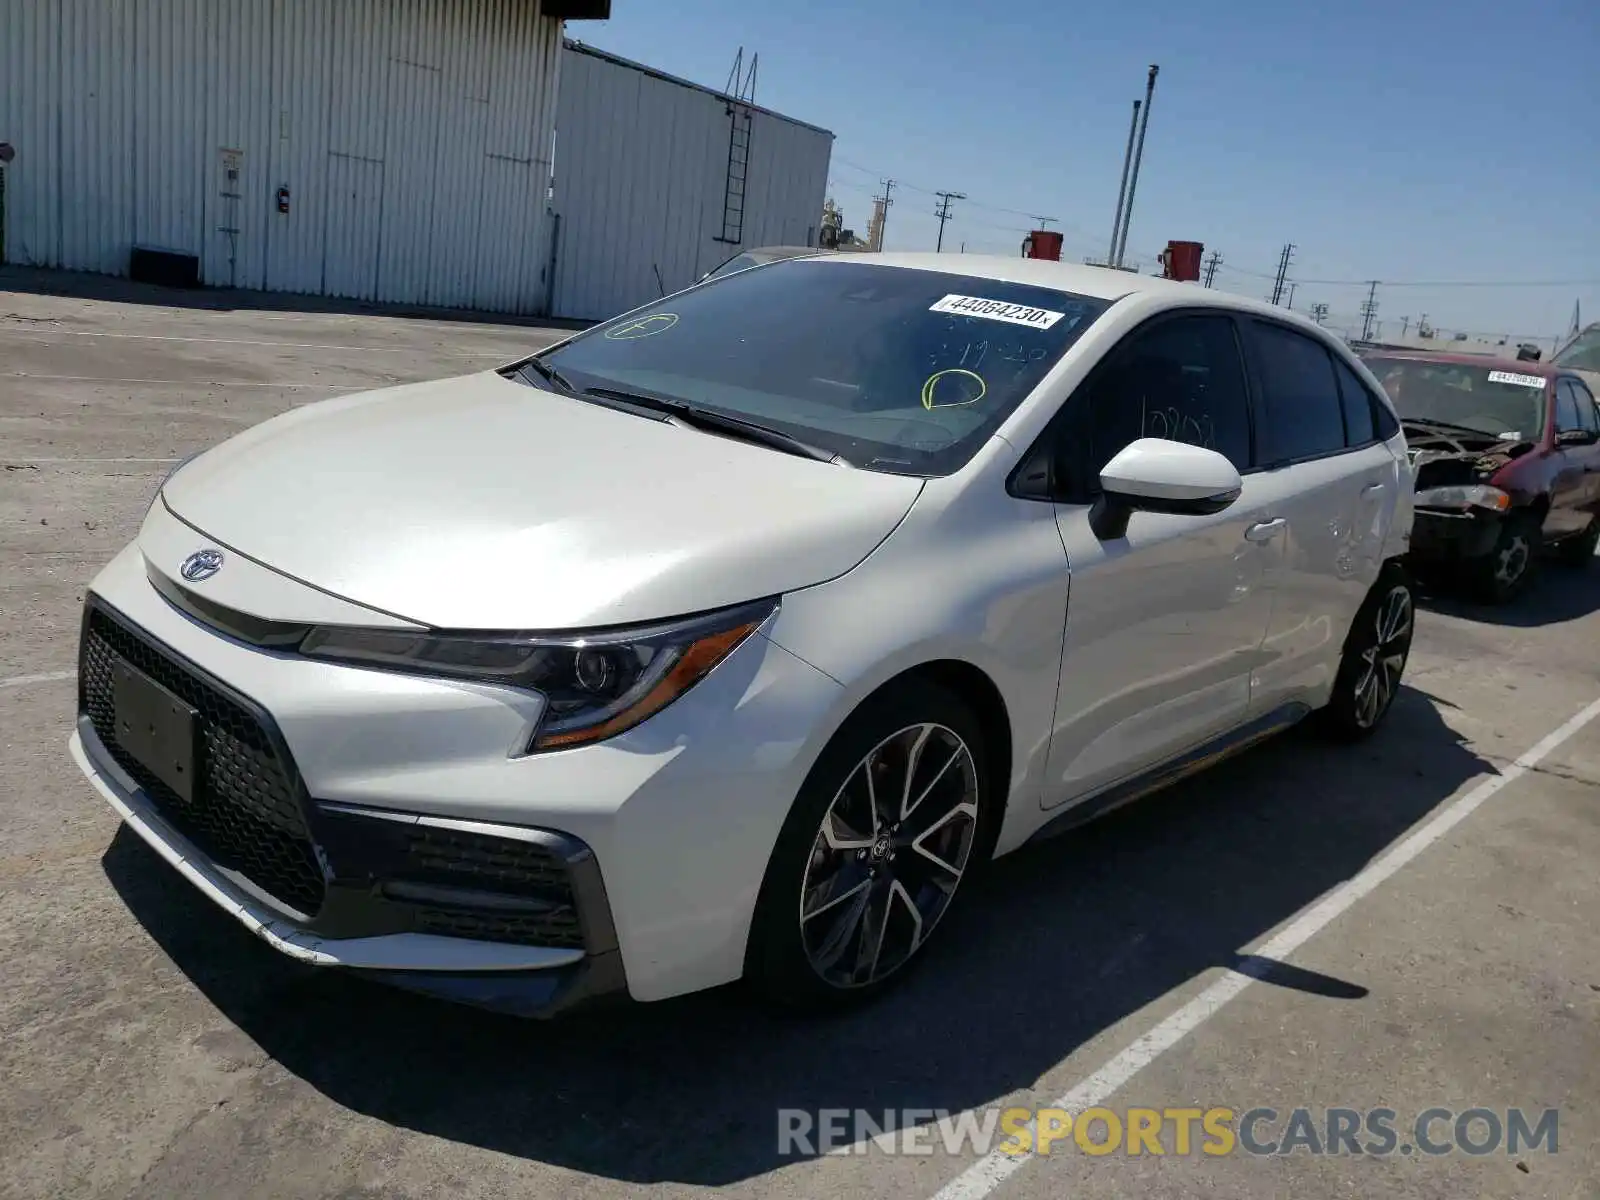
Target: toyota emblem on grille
{"type": "Point", "coordinates": [201, 565]}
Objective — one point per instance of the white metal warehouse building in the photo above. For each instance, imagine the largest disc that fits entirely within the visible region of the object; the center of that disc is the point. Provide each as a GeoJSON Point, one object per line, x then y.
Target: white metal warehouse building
{"type": "Point", "coordinates": [388, 150]}
{"type": "Point", "coordinates": [645, 164]}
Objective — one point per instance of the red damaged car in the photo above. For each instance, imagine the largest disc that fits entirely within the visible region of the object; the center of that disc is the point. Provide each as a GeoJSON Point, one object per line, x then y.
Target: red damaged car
{"type": "Point", "coordinates": [1505, 456]}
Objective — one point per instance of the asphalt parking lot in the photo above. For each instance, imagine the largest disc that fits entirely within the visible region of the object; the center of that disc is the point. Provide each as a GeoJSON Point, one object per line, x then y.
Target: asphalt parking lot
{"type": "Point", "coordinates": [1406, 925]}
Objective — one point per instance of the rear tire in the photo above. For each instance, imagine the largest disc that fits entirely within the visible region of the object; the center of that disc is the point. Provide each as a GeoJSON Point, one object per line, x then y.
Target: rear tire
{"type": "Point", "coordinates": [1375, 654]}
{"type": "Point", "coordinates": [1508, 569]}
{"type": "Point", "coordinates": [861, 876]}
{"type": "Point", "coordinates": [1579, 551]}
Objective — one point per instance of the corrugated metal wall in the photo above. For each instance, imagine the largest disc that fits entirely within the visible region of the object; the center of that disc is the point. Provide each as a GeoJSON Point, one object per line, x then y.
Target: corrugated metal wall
{"type": "Point", "coordinates": [641, 168]}
{"type": "Point", "coordinates": [413, 135]}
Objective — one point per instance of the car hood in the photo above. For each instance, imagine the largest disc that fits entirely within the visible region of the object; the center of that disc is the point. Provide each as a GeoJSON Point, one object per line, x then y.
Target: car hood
{"type": "Point", "coordinates": [483, 503]}
{"type": "Point", "coordinates": [1441, 458]}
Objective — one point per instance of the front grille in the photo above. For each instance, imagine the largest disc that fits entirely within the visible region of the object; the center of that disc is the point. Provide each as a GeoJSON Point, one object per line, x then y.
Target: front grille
{"type": "Point", "coordinates": [492, 864]}
{"type": "Point", "coordinates": [455, 881]}
{"type": "Point", "coordinates": [245, 816]}
{"type": "Point", "coordinates": [537, 929]}
{"type": "Point", "coordinates": [505, 866]}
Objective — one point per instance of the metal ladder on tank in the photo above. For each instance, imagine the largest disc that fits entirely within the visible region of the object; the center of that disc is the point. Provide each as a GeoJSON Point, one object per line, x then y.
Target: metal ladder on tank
{"type": "Point", "coordinates": [741, 94]}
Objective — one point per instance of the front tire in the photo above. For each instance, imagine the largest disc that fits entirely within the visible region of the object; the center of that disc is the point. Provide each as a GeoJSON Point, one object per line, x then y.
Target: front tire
{"type": "Point", "coordinates": [896, 812]}
{"type": "Point", "coordinates": [1508, 569]}
{"type": "Point", "coordinates": [1375, 654]}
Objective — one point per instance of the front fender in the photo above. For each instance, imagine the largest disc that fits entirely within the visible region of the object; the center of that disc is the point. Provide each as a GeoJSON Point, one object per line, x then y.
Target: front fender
{"type": "Point", "coordinates": [985, 588]}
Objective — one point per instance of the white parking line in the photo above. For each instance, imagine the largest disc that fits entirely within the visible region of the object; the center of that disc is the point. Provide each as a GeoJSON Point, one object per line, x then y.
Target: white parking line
{"type": "Point", "coordinates": [173, 382]}
{"type": "Point", "coordinates": [49, 677]}
{"type": "Point", "coordinates": [172, 337]}
{"type": "Point", "coordinates": [989, 1172]}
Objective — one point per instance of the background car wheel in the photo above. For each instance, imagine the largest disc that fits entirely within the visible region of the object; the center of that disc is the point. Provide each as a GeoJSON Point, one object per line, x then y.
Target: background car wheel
{"type": "Point", "coordinates": [1375, 655]}
{"type": "Point", "coordinates": [1579, 551]}
{"type": "Point", "coordinates": [1508, 568]}
{"type": "Point", "coordinates": [897, 811]}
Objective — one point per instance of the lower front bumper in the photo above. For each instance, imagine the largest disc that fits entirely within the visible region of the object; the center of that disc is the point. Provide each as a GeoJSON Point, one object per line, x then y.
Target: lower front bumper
{"type": "Point", "coordinates": [1443, 537]}
{"type": "Point", "coordinates": [535, 981]}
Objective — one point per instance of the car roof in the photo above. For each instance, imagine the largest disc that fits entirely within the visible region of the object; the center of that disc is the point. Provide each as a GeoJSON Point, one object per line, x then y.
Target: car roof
{"type": "Point", "coordinates": [1493, 362]}
{"type": "Point", "coordinates": [1101, 283]}
{"type": "Point", "coordinates": [782, 251]}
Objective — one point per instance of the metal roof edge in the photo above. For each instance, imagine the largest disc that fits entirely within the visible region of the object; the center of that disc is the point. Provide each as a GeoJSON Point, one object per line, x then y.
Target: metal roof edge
{"type": "Point", "coordinates": [655, 73]}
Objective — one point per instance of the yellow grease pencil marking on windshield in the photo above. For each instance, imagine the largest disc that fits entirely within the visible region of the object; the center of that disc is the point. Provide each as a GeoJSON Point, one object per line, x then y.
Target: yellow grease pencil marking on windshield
{"type": "Point", "coordinates": [644, 327]}
{"type": "Point", "coordinates": [933, 381]}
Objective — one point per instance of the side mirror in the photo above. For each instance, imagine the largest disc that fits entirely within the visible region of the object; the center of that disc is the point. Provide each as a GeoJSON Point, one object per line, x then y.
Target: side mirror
{"type": "Point", "coordinates": [1155, 475]}
{"type": "Point", "coordinates": [1575, 437]}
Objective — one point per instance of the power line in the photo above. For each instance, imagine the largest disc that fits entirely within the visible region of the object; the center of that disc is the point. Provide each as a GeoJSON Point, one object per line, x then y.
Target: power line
{"type": "Point", "coordinates": [1426, 283]}
{"type": "Point", "coordinates": [1212, 264]}
{"type": "Point", "coordinates": [971, 203]}
{"type": "Point", "coordinates": [943, 213]}
{"type": "Point", "coordinates": [1228, 267]}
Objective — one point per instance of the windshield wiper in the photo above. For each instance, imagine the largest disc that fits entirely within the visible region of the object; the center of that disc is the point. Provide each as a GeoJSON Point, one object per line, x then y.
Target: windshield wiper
{"type": "Point", "coordinates": [549, 374]}
{"type": "Point", "coordinates": [708, 419]}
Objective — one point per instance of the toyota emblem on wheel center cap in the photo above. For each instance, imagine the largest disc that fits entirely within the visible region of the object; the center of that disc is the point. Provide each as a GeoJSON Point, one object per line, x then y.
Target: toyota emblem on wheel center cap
{"type": "Point", "coordinates": [201, 565]}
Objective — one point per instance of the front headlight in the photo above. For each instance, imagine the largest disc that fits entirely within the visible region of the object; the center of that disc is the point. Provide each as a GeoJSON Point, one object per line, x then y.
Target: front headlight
{"type": "Point", "coordinates": [1475, 495]}
{"type": "Point", "coordinates": [595, 685]}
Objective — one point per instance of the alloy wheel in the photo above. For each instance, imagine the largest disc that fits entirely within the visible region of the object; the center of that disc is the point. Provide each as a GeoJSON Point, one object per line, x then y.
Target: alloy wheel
{"type": "Point", "coordinates": [1384, 658]}
{"type": "Point", "coordinates": [1511, 560]}
{"type": "Point", "coordinates": [891, 851]}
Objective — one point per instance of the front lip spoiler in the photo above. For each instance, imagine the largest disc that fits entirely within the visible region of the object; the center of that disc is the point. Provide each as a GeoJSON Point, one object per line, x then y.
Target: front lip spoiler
{"type": "Point", "coordinates": [536, 981]}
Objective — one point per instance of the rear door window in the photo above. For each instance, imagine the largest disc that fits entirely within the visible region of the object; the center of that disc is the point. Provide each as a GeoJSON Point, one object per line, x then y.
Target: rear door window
{"type": "Point", "coordinates": [1360, 421]}
{"type": "Point", "coordinates": [1303, 416]}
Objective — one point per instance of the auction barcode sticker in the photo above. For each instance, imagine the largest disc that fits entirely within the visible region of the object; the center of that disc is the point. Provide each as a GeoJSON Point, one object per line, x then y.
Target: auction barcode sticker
{"type": "Point", "coordinates": [997, 310]}
{"type": "Point", "coordinates": [1533, 381]}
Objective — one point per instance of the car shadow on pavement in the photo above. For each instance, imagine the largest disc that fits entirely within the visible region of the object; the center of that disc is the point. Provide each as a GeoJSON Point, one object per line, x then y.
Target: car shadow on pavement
{"type": "Point", "coordinates": [1559, 594]}
{"type": "Point", "coordinates": [1055, 945]}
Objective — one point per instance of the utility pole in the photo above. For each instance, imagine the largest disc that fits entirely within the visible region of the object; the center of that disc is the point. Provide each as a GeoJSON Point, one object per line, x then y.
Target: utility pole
{"type": "Point", "coordinates": [1122, 188]}
{"type": "Point", "coordinates": [1042, 222]}
{"type": "Point", "coordinates": [1291, 296]}
{"type": "Point", "coordinates": [883, 222]}
{"type": "Point", "coordinates": [1405, 326]}
{"type": "Point", "coordinates": [1138, 157]}
{"type": "Point", "coordinates": [1319, 313]}
{"type": "Point", "coordinates": [1369, 309]}
{"type": "Point", "coordinates": [1283, 270]}
{"type": "Point", "coordinates": [943, 213]}
{"type": "Point", "coordinates": [1212, 264]}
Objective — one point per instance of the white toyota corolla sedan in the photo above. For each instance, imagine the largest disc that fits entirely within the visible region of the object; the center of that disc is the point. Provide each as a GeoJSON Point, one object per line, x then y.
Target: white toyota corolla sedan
{"type": "Point", "coordinates": [727, 638]}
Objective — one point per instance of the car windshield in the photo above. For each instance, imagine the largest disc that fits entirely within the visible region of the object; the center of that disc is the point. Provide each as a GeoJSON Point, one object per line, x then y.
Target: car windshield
{"type": "Point", "coordinates": [1496, 402]}
{"type": "Point", "coordinates": [1582, 353]}
{"type": "Point", "coordinates": [896, 370]}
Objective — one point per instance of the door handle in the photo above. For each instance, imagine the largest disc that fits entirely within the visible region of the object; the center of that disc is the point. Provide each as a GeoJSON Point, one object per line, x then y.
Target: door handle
{"type": "Point", "coordinates": [1371, 489]}
{"type": "Point", "coordinates": [1265, 531]}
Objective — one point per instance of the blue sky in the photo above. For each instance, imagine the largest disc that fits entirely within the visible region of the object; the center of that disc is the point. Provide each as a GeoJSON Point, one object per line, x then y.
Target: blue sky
{"type": "Point", "coordinates": [1407, 142]}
